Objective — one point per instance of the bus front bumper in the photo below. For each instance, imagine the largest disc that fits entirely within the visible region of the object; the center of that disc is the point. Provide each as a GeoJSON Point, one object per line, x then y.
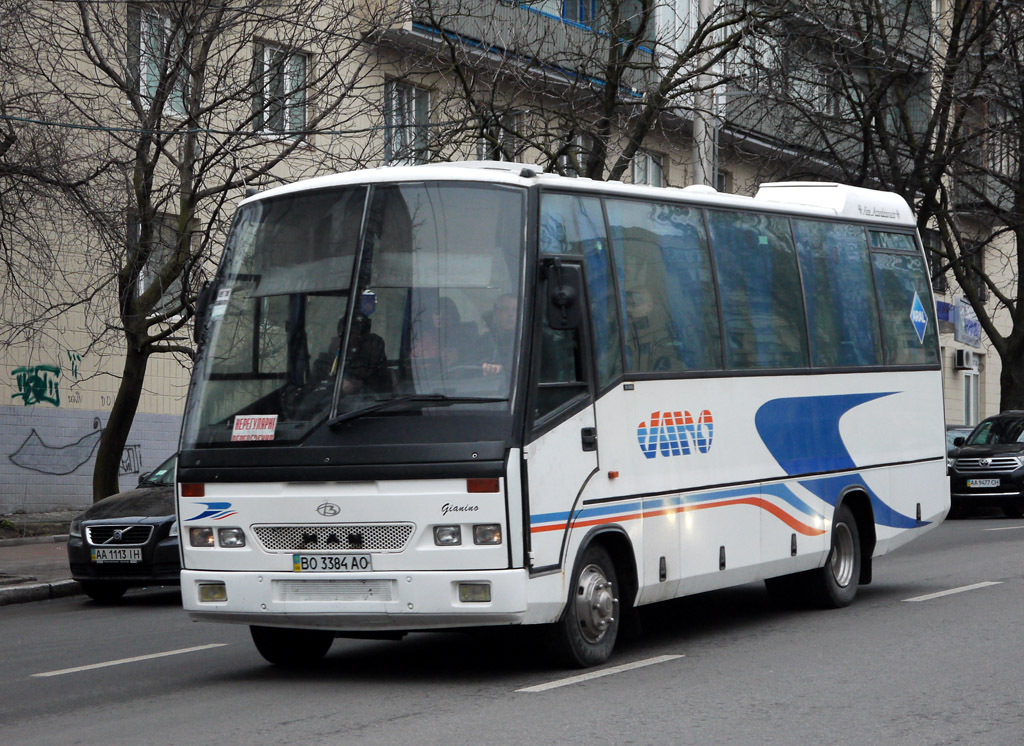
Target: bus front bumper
{"type": "Point", "coordinates": [357, 602]}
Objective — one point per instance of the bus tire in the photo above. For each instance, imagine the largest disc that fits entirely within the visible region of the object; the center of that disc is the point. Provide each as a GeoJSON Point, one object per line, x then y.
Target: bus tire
{"type": "Point", "coordinates": [586, 633]}
{"type": "Point", "coordinates": [835, 584]}
{"type": "Point", "coordinates": [291, 648]}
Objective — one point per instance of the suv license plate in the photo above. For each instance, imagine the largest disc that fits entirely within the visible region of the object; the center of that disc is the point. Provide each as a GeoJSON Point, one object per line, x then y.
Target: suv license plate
{"type": "Point", "coordinates": [116, 554]}
{"type": "Point", "coordinates": [982, 482]}
{"type": "Point", "coordinates": [331, 563]}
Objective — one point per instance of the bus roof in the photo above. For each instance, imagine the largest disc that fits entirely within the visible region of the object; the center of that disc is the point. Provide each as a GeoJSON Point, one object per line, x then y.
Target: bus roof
{"type": "Point", "coordinates": [811, 198]}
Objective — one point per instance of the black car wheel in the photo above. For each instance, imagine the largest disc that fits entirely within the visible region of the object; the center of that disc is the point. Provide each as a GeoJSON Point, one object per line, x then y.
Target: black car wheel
{"type": "Point", "coordinates": [104, 593]}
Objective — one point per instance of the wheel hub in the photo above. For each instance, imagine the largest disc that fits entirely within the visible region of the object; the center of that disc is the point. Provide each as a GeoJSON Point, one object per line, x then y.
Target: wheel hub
{"type": "Point", "coordinates": [595, 603]}
{"type": "Point", "coordinates": [842, 555]}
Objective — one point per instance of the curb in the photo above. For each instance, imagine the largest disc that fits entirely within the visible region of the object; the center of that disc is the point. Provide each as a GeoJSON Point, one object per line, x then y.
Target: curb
{"type": "Point", "coordinates": [39, 592]}
{"type": "Point", "coordinates": [33, 540]}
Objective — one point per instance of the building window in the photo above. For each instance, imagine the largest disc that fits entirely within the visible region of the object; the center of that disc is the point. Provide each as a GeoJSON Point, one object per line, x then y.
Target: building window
{"type": "Point", "coordinates": [573, 161]}
{"type": "Point", "coordinates": [933, 249]}
{"type": "Point", "coordinates": [499, 138]}
{"type": "Point", "coordinates": [646, 168]}
{"type": "Point", "coordinates": [406, 123]}
{"type": "Point", "coordinates": [157, 53]}
{"type": "Point", "coordinates": [280, 100]}
{"type": "Point", "coordinates": [163, 245]}
{"type": "Point", "coordinates": [974, 266]}
{"type": "Point", "coordinates": [580, 11]}
{"type": "Point", "coordinates": [972, 396]}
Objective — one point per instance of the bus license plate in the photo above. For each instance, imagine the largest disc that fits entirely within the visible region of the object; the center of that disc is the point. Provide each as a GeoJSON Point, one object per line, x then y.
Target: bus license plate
{"type": "Point", "coordinates": [982, 482]}
{"type": "Point", "coordinates": [331, 562]}
{"type": "Point", "coordinates": [116, 554]}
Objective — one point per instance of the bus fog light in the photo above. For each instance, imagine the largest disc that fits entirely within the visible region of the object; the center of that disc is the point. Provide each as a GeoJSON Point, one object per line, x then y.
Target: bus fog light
{"type": "Point", "coordinates": [487, 533]}
{"type": "Point", "coordinates": [474, 593]}
{"type": "Point", "coordinates": [447, 536]}
{"type": "Point", "coordinates": [200, 537]}
{"type": "Point", "coordinates": [213, 592]}
{"type": "Point", "coordinates": [231, 537]}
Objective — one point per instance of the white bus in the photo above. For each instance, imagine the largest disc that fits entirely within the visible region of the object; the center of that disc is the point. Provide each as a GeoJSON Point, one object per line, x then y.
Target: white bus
{"type": "Point", "coordinates": [460, 395]}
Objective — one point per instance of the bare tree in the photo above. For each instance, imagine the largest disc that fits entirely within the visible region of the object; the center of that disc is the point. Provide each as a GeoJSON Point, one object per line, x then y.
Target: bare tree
{"type": "Point", "coordinates": [143, 124]}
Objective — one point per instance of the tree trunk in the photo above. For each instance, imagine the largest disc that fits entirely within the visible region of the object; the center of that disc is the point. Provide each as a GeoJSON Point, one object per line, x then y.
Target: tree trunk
{"type": "Point", "coordinates": [1011, 379]}
{"type": "Point", "coordinates": [115, 434]}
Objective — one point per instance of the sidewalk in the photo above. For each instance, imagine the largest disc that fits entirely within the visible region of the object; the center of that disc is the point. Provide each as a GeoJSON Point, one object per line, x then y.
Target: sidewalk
{"type": "Point", "coordinates": [35, 568]}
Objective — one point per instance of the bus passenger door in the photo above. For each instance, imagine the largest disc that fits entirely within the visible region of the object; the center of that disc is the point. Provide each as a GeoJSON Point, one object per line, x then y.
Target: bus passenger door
{"type": "Point", "coordinates": [561, 455]}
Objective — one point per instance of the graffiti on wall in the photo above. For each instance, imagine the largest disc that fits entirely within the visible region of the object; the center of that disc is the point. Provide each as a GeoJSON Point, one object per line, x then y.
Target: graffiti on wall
{"type": "Point", "coordinates": [37, 384]}
{"type": "Point", "coordinates": [131, 460]}
{"type": "Point", "coordinates": [40, 384]}
{"type": "Point", "coordinates": [35, 454]}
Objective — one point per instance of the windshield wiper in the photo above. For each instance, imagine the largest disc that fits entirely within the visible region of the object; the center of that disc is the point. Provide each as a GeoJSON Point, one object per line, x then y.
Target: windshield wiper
{"type": "Point", "coordinates": [431, 399]}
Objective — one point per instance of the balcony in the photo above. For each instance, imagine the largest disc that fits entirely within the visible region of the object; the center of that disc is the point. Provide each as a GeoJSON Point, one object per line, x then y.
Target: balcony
{"type": "Point", "coordinates": [509, 34]}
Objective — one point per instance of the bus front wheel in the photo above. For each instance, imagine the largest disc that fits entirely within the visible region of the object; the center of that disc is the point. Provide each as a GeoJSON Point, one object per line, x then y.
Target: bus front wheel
{"type": "Point", "coordinates": [589, 626]}
{"type": "Point", "coordinates": [291, 648]}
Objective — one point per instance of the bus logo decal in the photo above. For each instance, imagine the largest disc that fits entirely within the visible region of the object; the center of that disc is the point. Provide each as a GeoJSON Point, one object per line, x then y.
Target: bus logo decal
{"type": "Point", "coordinates": [215, 512]}
{"type": "Point", "coordinates": [328, 510]}
{"type": "Point", "coordinates": [675, 433]}
{"type": "Point", "coordinates": [919, 318]}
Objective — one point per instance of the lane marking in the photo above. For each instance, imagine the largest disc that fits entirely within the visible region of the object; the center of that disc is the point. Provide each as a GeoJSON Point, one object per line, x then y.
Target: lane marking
{"type": "Point", "coordinates": [136, 659]}
{"type": "Point", "coordinates": [1005, 528]}
{"type": "Point", "coordinates": [951, 591]}
{"type": "Point", "coordinates": [598, 674]}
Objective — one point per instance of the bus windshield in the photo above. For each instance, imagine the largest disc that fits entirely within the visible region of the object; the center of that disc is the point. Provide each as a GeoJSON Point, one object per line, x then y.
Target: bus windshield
{"type": "Point", "coordinates": [434, 270]}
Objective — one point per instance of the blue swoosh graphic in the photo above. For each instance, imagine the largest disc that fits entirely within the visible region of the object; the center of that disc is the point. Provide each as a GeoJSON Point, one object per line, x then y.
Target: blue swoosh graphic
{"type": "Point", "coordinates": [802, 434]}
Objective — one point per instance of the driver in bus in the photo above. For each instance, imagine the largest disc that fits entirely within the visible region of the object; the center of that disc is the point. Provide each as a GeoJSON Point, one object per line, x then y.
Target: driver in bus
{"type": "Point", "coordinates": [366, 364]}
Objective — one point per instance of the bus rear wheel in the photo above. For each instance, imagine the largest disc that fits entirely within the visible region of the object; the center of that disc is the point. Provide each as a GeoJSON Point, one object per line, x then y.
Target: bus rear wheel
{"type": "Point", "coordinates": [586, 634]}
{"type": "Point", "coordinates": [836, 583]}
{"type": "Point", "coordinates": [291, 648]}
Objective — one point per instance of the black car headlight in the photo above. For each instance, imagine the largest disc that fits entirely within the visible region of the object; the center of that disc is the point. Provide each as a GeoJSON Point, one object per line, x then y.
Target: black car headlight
{"type": "Point", "coordinates": [76, 527]}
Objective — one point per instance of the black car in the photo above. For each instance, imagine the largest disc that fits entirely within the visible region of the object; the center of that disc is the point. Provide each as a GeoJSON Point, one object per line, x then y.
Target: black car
{"type": "Point", "coordinates": [128, 540]}
{"type": "Point", "coordinates": [988, 469]}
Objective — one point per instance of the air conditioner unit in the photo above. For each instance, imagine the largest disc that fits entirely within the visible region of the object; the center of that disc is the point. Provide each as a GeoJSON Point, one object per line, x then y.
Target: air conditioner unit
{"type": "Point", "coordinates": [963, 360]}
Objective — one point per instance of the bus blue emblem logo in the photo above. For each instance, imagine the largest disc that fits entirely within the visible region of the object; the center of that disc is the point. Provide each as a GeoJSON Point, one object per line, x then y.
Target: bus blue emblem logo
{"type": "Point", "coordinates": [919, 318]}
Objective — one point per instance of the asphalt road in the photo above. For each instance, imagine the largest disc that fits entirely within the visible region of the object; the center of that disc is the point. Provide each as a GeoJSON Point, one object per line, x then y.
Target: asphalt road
{"type": "Point", "coordinates": [901, 666]}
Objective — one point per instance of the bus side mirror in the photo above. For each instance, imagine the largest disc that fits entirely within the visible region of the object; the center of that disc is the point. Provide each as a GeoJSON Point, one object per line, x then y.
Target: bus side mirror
{"type": "Point", "coordinates": [565, 291]}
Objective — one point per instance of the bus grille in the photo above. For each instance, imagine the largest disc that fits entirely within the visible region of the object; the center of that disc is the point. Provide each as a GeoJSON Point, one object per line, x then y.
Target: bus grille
{"type": "Point", "coordinates": [107, 535]}
{"type": "Point", "coordinates": [370, 537]}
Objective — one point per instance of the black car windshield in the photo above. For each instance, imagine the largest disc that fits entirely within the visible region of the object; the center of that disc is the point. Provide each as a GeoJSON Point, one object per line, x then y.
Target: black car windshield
{"type": "Point", "coordinates": [163, 474]}
{"type": "Point", "coordinates": [436, 310]}
{"type": "Point", "coordinates": [998, 431]}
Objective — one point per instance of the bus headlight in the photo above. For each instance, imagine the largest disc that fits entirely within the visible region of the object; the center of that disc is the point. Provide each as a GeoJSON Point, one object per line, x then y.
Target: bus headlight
{"type": "Point", "coordinates": [447, 536]}
{"type": "Point", "coordinates": [200, 536]}
{"type": "Point", "coordinates": [487, 533]}
{"type": "Point", "coordinates": [230, 538]}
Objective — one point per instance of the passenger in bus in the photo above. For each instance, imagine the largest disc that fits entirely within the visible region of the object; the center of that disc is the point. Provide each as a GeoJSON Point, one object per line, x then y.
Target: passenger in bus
{"type": "Point", "coordinates": [442, 338]}
{"type": "Point", "coordinates": [501, 325]}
